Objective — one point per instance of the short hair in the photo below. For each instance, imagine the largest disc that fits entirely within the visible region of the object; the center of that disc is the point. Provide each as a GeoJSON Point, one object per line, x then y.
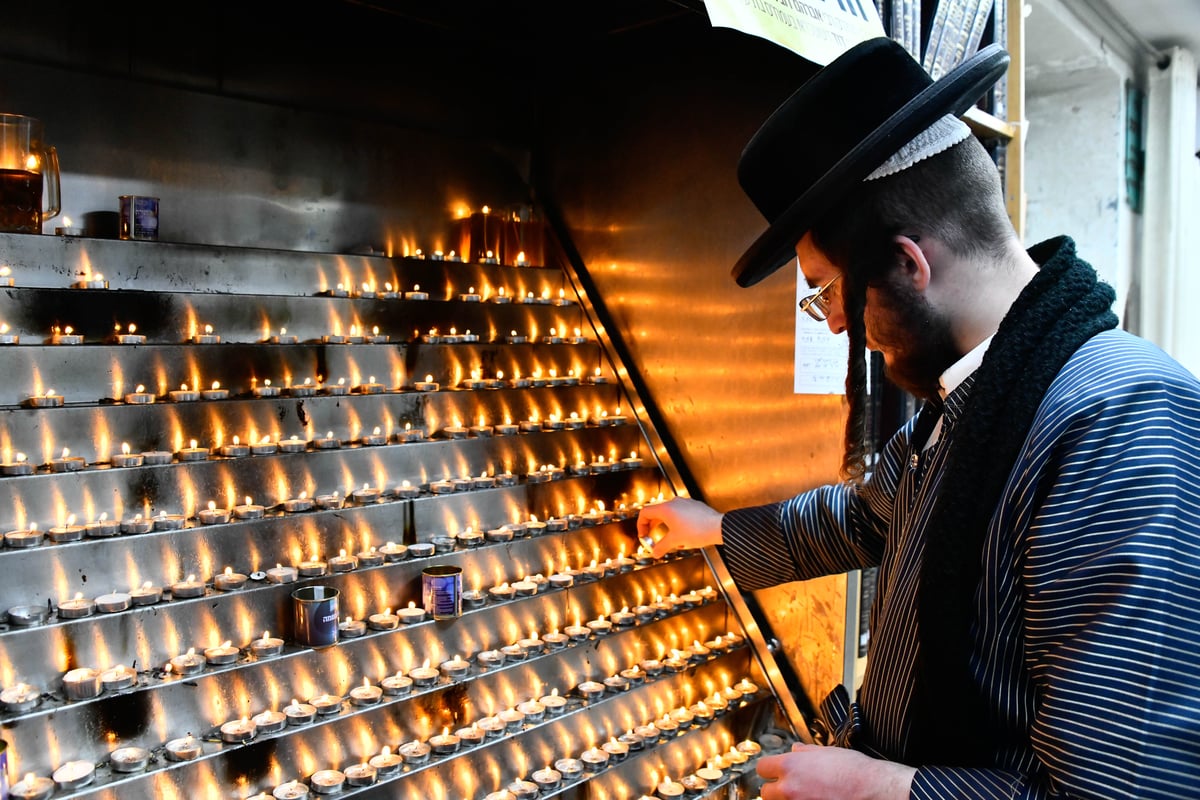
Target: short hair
{"type": "Point", "coordinates": [955, 197]}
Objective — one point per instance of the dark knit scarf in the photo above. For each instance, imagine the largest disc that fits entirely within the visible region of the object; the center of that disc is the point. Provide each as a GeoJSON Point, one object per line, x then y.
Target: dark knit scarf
{"type": "Point", "coordinates": [1062, 307]}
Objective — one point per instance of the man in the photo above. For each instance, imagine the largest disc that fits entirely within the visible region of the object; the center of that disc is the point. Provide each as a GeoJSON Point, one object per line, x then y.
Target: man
{"type": "Point", "coordinates": [1037, 527]}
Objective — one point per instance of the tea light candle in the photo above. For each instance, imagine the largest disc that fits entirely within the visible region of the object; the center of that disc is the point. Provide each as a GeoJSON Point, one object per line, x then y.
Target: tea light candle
{"type": "Point", "coordinates": [370, 557]}
{"type": "Point", "coordinates": [31, 787]}
{"type": "Point", "coordinates": [76, 608]}
{"type": "Point", "coordinates": [282, 574]}
{"type": "Point", "coordinates": [532, 710]}
{"type": "Point", "coordinates": [66, 462]}
{"type": "Point", "coordinates": [82, 683]}
{"type": "Point", "coordinates": [139, 396]}
{"type": "Point", "coordinates": [577, 632]}
{"type": "Point", "coordinates": [668, 728]}
{"type": "Point", "coordinates": [48, 399]}
{"type": "Point", "coordinates": [266, 646]}
{"type": "Point", "coordinates": [470, 296]}
{"type": "Point", "coordinates": [492, 727]}
{"type": "Point", "coordinates": [29, 537]}
{"type": "Point", "coordinates": [292, 790]}
{"type": "Point", "coordinates": [312, 568]}
{"type": "Point", "coordinates": [214, 392]}
{"type": "Point", "coordinates": [517, 338]}
{"type": "Point", "coordinates": [146, 595]}
{"type": "Point", "coordinates": [410, 434]}
{"type": "Point", "coordinates": [118, 678]}
{"type": "Point", "coordinates": [512, 718]}
{"type": "Point", "coordinates": [427, 385]}
{"type": "Point", "coordinates": [616, 683]}
{"type": "Point", "coordinates": [20, 697]}
{"type": "Point", "coordinates": [298, 713]}
{"type": "Point", "coordinates": [67, 531]}
{"type": "Point", "coordinates": [470, 735]}
{"type": "Point", "coordinates": [222, 654]}
{"type": "Point", "coordinates": [594, 759]}
{"type": "Point", "coordinates": [424, 676]}
{"type": "Point", "coordinates": [305, 389]}
{"type": "Point", "coordinates": [590, 690]}
{"type": "Point", "coordinates": [373, 439]}
{"type": "Point", "coordinates": [669, 789]}
{"type": "Point", "coordinates": [338, 389]}
{"type": "Point", "coordinates": [386, 763]}
{"type": "Point", "coordinates": [383, 621]}
{"type": "Point", "coordinates": [393, 552]}
{"type": "Point", "coordinates": [474, 598]}
{"type": "Point", "coordinates": [444, 743]}
{"type": "Point", "coordinates": [239, 731]}
{"type": "Point", "coordinates": [265, 389]}
{"type": "Point", "coordinates": [371, 386]}
{"type": "Point", "coordinates": [64, 336]}
{"type": "Point", "coordinates": [522, 789]}
{"type": "Point", "coordinates": [365, 695]}
{"type": "Point", "coordinates": [396, 685]}
{"type": "Point", "coordinates": [649, 732]}
{"type": "Point", "coordinates": [455, 668]}
{"type": "Point", "coordinates": [193, 452]}
{"type": "Point", "coordinates": [412, 614]}
{"type": "Point", "coordinates": [420, 549]}
{"type": "Point", "coordinates": [600, 626]}
{"type": "Point", "coordinates": [327, 704]}
{"type": "Point", "coordinates": [188, 748]}
{"type": "Point", "coordinates": [74, 774]}
{"type": "Point", "coordinates": [631, 740]}
{"type": "Point", "coordinates": [113, 602]}
{"type": "Point", "coordinates": [18, 466]}
{"type": "Point", "coordinates": [683, 717]}
{"type": "Point", "coordinates": [746, 687]}
{"type": "Point", "coordinates": [547, 779]}
{"type": "Point", "coordinates": [187, 588]}
{"type": "Point", "coordinates": [329, 502]}
{"type": "Point", "coordinates": [283, 337]}
{"type": "Point", "coordinates": [415, 752]}
{"type": "Point", "coordinates": [502, 592]}
{"type": "Point", "coordinates": [416, 293]}
{"type": "Point", "coordinates": [570, 768]}
{"type": "Point", "coordinates": [206, 337]}
{"type": "Point", "coordinates": [617, 750]}
{"type": "Point", "coordinates": [360, 775]}
{"type": "Point", "coordinates": [229, 580]}
{"type": "Point", "coordinates": [269, 721]}
{"type": "Point", "coordinates": [343, 562]}
{"type": "Point", "coordinates": [525, 587]}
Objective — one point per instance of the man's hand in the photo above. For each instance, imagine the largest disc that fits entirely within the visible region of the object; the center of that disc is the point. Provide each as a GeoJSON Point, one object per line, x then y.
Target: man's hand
{"type": "Point", "coordinates": [813, 772]}
{"type": "Point", "coordinates": [679, 523]}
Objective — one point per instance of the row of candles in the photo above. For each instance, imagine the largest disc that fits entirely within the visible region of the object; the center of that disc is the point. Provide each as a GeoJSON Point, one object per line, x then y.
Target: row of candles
{"type": "Point", "coordinates": [128, 335]}
{"type": "Point", "coordinates": [475, 379]}
{"type": "Point", "coordinates": [512, 720]}
{"type": "Point", "coordinates": [314, 566]}
{"type": "Point", "coordinates": [69, 529]}
{"type": "Point", "coordinates": [141, 395]}
{"type": "Point", "coordinates": [370, 290]}
{"type": "Point", "coordinates": [84, 683]}
{"type": "Point", "coordinates": [267, 445]}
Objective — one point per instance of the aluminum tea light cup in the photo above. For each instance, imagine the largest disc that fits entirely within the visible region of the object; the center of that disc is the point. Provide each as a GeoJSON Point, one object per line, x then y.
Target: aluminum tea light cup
{"type": "Point", "coordinates": [129, 759]}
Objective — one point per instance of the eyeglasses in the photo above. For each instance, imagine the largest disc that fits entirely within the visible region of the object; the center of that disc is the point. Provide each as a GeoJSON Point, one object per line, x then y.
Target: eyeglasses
{"type": "Point", "coordinates": [816, 305]}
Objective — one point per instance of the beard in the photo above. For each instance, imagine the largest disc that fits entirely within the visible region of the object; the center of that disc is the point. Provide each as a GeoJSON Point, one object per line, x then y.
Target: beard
{"type": "Point", "coordinates": [915, 339]}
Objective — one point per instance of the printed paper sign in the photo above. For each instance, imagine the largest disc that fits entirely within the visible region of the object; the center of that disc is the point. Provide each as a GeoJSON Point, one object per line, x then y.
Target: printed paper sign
{"type": "Point", "coordinates": [819, 30]}
{"type": "Point", "coordinates": [820, 353]}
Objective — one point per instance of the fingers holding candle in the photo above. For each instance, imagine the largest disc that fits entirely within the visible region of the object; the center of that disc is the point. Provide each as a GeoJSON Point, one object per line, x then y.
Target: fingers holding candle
{"type": "Point", "coordinates": [679, 523]}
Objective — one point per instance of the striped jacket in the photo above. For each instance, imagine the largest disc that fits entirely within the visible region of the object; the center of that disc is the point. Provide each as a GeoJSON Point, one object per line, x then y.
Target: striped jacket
{"type": "Point", "coordinates": [1086, 631]}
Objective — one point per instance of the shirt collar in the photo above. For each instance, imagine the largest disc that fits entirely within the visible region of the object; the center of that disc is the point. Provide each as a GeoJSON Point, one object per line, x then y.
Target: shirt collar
{"type": "Point", "coordinates": [957, 372]}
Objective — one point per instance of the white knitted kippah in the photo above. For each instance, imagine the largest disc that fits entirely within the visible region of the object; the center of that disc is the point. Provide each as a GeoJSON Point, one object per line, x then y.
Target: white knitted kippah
{"type": "Point", "coordinates": [941, 135]}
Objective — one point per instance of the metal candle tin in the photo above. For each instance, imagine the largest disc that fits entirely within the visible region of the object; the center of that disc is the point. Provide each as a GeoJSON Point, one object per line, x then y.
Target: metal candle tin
{"type": "Point", "coordinates": [441, 590]}
{"type": "Point", "coordinates": [139, 217]}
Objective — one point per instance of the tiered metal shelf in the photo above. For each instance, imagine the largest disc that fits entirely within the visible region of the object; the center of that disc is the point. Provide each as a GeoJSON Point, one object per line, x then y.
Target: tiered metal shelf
{"type": "Point", "coordinates": [483, 426]}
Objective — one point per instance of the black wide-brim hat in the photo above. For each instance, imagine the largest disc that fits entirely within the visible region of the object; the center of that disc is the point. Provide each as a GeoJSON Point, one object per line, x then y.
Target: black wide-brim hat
{"type": "Point", "coordinates": [836, 129]}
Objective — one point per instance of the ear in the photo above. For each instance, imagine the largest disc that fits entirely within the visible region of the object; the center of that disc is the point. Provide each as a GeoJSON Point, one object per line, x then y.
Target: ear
{"type": "Point", "coordinates": [913, 261]}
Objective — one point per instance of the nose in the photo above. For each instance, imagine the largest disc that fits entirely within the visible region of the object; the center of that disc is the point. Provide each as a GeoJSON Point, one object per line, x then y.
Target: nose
{"type": "Point", "coordinates": [836, 319]}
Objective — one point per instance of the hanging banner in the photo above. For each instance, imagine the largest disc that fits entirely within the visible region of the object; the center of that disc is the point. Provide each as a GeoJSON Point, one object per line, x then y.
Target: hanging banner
{"type": "Point", "coordinates": [819, 30]}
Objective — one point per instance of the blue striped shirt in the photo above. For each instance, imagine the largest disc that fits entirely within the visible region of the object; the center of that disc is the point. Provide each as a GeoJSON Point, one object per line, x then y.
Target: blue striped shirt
{"type": "Point", "coordinates": [1086, 629]}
